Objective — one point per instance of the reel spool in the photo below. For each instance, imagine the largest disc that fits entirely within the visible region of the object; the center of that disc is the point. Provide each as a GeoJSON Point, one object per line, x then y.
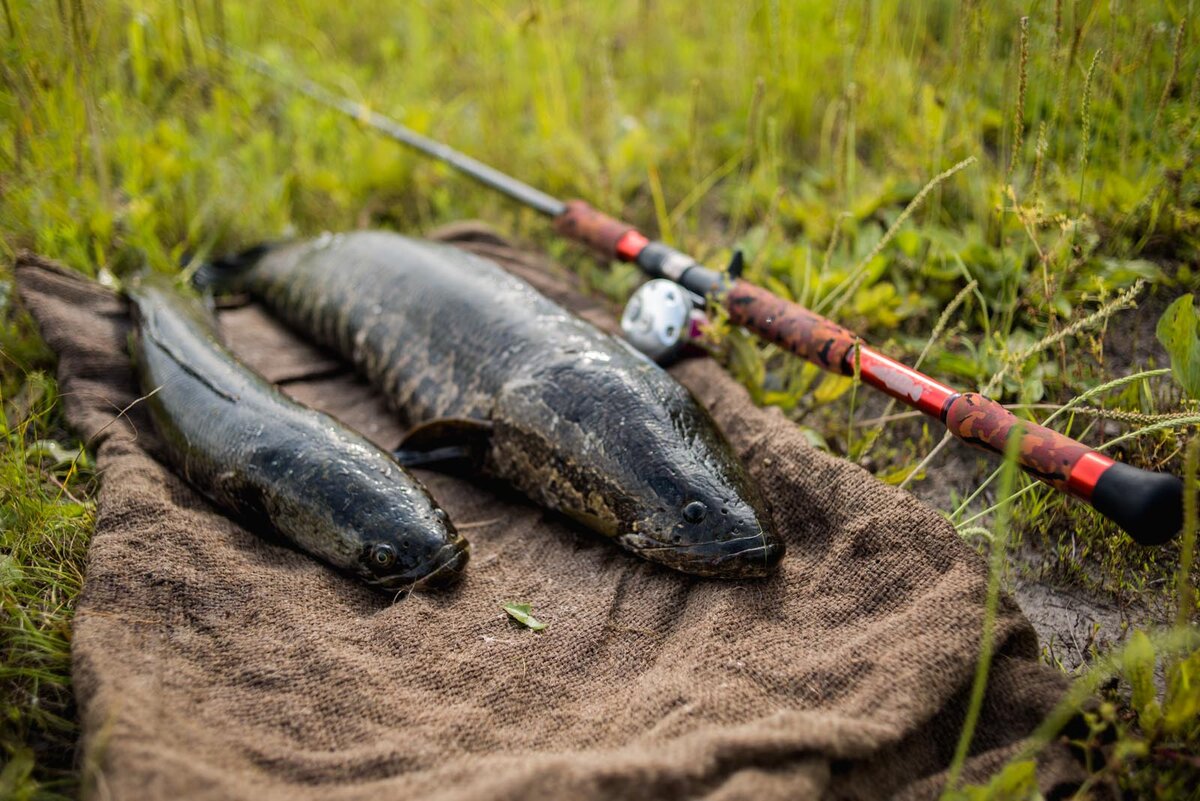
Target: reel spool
{"type": "Point", "coordinates": [662, 319]}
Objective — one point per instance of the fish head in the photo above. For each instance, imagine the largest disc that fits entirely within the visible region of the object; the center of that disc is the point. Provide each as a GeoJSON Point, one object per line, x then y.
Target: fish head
{"type": "Point", "coordinates": [631, 454]}
{"type": "Point", "coordinates": [700, 515]}
{"type": "Point", "coordinates": [401, 537]}
{"type": "Point", "coordinates": [358, 510]}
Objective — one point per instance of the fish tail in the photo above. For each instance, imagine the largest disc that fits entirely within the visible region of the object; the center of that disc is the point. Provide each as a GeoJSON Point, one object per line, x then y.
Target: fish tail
{"type": "Point", "coordinates": [225, 273]}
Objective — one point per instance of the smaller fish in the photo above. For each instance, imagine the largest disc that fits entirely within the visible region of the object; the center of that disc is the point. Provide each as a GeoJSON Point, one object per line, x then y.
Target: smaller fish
{"type": "Point", "coordinates": [268, 460]}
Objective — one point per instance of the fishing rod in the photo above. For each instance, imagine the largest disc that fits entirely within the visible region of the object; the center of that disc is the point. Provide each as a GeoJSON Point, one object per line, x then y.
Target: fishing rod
{"type": "Point", "coordinates": [1146, 504]}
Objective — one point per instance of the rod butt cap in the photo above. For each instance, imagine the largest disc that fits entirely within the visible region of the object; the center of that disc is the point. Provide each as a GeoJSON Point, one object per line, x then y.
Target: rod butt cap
{"type": "Point", "coordinates": [1148, 505]}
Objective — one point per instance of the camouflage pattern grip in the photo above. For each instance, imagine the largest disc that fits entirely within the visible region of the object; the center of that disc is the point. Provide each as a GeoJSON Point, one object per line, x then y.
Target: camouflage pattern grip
{"type": "Point", "coordinates": [595, 229]}
{"type": "Point", "coordinates": [791, 326]}
{"type": "Point", "coordinates": [1045, 454]}
{"type": "Point", "coordinates": [1147, 505]}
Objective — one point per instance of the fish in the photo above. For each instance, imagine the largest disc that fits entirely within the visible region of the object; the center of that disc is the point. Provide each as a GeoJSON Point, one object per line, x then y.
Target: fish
{"type": "Point", "coordinates": [487, 371]}
{"type": "Point", "coordinates": [267, 460]}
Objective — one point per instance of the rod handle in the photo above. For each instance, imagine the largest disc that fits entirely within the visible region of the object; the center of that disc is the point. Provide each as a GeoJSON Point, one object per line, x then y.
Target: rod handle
{"type": "Point", "coordinates": [1147, 505]}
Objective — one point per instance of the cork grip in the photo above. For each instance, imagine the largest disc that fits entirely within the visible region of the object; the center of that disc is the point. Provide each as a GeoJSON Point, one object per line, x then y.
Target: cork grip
{"type": "Point", "coordinates": [595, 229]}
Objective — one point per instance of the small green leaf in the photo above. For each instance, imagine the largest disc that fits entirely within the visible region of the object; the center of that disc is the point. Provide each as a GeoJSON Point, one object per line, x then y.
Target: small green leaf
{"type": "Point", "coordinates": [815, 438]}
{"type": "Point", "coordinates": [1178, 332]}
{"type": "Point", "coordinates": [1182, 707]}
{"type": "Point", "coordinates": [832, 387]}
{"type": "Point", "coordinates": [15, 775]}
{"type": "Point", "coordinates": [521, 614]}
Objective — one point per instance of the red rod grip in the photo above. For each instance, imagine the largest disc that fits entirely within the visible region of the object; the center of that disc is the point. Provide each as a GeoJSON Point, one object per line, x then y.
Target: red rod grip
{"type": "Point", "coordinates": [1147, 505]}
{"type": "Point", "coordinates": [593, 228]}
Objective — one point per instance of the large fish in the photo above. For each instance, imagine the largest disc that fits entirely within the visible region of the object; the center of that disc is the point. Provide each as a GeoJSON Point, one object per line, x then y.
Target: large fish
{"type": "Point", "coordinates": [265, 458]}
{"type": "Point", "coordinates": [480, 363]}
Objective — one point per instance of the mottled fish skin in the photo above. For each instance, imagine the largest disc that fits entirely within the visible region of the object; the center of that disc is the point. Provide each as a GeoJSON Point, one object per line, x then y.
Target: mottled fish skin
{"type": "Point", "coordinates": [268, 460]}
{"type": "Point", "coordinates": [580, 422]}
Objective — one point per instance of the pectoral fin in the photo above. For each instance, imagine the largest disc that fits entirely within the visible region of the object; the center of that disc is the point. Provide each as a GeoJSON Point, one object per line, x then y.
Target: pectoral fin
{"type": "Point", "coordinates": [447, 443]}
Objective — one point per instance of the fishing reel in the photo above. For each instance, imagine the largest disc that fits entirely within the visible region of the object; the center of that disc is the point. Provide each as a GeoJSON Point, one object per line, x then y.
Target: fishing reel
{"type": "Point", "coordinates": [663, 320]}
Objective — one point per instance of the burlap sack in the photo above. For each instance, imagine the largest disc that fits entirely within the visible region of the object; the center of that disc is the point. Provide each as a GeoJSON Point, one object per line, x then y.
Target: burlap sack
{"type": "Point", "coordinates": [211, 663]}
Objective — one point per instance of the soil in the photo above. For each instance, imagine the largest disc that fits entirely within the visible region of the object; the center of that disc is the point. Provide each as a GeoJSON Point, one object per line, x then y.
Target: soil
{"type": "Point", "coordinates": [1073, 625]}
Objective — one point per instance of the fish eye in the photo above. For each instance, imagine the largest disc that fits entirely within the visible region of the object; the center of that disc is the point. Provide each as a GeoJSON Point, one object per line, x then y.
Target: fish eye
{"type": "Point", "coordinates": [694, 512]}
{"type": "Point", "coordinates": [440, 514]}
{"type": "Point", "coordinates": [383, 555]}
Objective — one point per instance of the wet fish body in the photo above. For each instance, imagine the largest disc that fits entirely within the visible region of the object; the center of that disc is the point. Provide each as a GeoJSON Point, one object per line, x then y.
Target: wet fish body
{"type": "Point", "coordinates": [475, 358]}
{"type": "Point", "coordinates": [266, 459]}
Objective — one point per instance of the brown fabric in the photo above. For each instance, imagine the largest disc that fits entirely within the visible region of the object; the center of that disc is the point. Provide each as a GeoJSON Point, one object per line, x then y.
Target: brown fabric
{"type": "Point", "coordinates": [210, 663]}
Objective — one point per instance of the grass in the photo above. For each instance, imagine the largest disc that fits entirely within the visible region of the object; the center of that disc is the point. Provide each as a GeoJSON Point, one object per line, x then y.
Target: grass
{"type": "Point", "coordinates": [819, 138]}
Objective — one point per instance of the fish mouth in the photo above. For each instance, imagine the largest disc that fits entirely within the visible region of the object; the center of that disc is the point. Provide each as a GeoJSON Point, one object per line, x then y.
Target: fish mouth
{"type": "Point", "coordinates": [753, 556]}
{"type": "Point", "coordinates": [449, 571]}
{"type": "Point", "coordinates": [441, 570]}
